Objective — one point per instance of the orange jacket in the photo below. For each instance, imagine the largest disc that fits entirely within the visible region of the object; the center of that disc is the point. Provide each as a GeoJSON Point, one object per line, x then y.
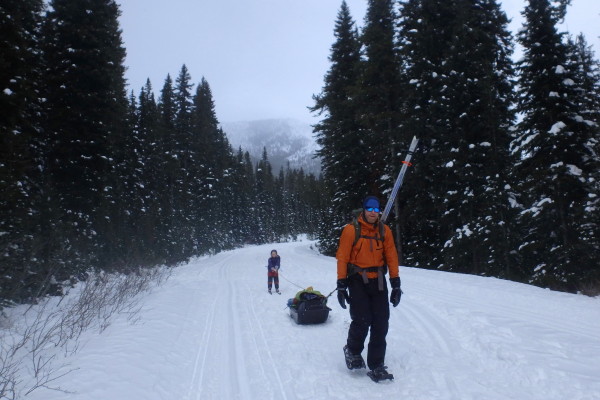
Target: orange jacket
{"type": "Point", "coordinates": [367, 252]}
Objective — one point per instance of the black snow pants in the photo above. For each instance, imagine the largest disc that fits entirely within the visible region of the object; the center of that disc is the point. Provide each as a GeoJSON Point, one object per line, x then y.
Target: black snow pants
{"type": "Point", "coordinates": [369, 310]}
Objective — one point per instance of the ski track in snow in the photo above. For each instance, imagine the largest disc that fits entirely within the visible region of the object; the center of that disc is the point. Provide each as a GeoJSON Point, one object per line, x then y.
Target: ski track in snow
{"type": "Point", "coordinates": [213, 332]}
{"type": "Point", "coordinates": [233, 359]}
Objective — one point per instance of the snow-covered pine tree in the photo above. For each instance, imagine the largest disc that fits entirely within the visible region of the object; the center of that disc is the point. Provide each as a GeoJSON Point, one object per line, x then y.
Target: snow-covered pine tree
{"type": "Point", "coordinates": [210, 173]}
{"type": "Point", "coordinates": [86, 114]}
{"type": "Point", "coordinates": [265, 186]}
{"type": "Point", "coordinates": [289, 202]}
{"type": "Point", "coordinates": [251, 200]}
{"type": "Point", "coordinates": [587, 81]}
{"type": "Point", "coordinates": [378, 97]}
{"type": "Point", "coordinates": [586, 70]}
{"type": "Point", "coordinates": [312, 203]}
{"type": "Point", "coordinates": [171, 167]}
{"type": "Point", "coordinates": [279, 216]}
{"type": "Point", "coordinates": [424, 32]}
{"type": "Point", "coordinates": [20, 179]}
{"type": "Point", "coordinates": [152, 179]}
{"type": "Point", "coordinates": [557, 165]}
{"type": "Point", "coordinates": [479, 100]}
{"type": "Point", "coordinates": [342, 150]}
{"type": "Point", "coordinates": [457, 85]}
{"type": "Point", "coordinates": [183, 186]}
{"type": "Point", "coordinates": [242, 199]}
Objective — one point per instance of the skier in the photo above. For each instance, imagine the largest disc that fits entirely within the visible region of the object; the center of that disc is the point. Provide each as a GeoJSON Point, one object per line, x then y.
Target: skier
{"type": "Point", "coordinates": [366, 250]}
{"type": "Point", "coordinates": [274, 263]}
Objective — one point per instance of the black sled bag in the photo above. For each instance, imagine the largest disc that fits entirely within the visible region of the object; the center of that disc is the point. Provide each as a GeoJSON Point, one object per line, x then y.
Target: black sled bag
{"type": "Point", "coordinates": [311, 309]}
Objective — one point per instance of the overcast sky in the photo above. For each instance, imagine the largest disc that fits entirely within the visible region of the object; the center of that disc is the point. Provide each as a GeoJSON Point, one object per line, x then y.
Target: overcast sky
{"type": "Point", "coordinates": [262, 58]}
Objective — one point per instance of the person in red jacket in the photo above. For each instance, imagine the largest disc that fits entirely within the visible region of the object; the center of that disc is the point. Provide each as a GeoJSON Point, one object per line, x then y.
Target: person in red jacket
{"type": "Point", "coordinates": [362, 263]}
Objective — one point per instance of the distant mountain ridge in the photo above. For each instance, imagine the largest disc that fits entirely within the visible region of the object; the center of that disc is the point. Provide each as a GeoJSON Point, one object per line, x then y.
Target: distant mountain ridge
{"type": "Point", "coordinates": [286, 140]}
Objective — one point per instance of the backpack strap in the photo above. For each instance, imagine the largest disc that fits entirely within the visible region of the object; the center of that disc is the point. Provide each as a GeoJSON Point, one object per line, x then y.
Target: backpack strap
{"type": "Point", "coordinates": [357, 232]}
{"type": "Point", "coordinates": [355, 269]}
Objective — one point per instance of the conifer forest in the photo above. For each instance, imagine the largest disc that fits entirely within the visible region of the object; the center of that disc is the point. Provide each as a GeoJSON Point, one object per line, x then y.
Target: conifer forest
{"type": "Point", "coordinates": [505, 181]}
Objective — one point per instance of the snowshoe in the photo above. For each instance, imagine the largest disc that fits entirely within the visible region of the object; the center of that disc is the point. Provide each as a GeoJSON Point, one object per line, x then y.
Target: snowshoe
{"type": "Point", "coordinates": [353, 361]}
{"type": "Point", "coordinates": [380, 374]}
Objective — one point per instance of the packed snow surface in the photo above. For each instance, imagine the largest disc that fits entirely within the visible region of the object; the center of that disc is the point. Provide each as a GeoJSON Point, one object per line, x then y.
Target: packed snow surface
{"type": "Point", "coordinates": [213, 332]}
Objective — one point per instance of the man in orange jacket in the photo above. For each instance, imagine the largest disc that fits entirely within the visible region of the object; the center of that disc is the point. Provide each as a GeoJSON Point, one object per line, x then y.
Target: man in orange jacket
{"type": "Point", "coordinates": [361, 266]}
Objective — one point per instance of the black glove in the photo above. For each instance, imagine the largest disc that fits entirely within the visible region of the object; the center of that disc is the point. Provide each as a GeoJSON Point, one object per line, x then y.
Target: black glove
{"type": "Point", "coordinates": [342, 292]}
{"type": "Point", "coordinates": [396, 291]}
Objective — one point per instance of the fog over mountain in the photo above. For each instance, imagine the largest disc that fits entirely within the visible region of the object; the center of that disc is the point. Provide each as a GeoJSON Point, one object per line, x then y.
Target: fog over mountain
{"type": "Point", "coordinates": [286, 140]}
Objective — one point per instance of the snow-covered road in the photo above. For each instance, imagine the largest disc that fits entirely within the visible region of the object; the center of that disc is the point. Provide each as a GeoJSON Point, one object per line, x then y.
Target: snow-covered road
{"type": "Point", "coordinates": [213, 332]}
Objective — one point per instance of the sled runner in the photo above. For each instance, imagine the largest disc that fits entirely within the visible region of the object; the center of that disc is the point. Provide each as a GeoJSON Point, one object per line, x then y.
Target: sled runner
{"type": "Point", "coordinates": [309, 307]}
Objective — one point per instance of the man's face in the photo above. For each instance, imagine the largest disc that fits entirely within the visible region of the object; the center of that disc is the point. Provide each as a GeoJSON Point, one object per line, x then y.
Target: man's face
{"type": "Point", "coordinates": [371, 216]}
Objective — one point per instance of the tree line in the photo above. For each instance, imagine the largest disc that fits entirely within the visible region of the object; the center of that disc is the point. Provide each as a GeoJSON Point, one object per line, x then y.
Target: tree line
{"type": "Point", "coordinates": [505, 181]}
{"type": "Point", "coordinates": [96, 179]}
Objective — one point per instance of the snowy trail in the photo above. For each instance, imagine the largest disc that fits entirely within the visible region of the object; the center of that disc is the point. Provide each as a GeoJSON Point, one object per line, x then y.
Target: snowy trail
{"type": "Point", "coordinates": [213, 332]}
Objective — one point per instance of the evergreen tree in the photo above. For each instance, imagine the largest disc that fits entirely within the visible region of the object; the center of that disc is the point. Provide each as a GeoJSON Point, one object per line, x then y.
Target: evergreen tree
{"type": "Point", "coordinates": [241, 201]}
{"type": "Point", "coordinates": [380, 100]}
{"type": "Point", "coordinates": [171, 167]}
{"type": "Point", "coordinates": [252, 217]}
{"type": "Point", "coordinates": [458, 101]}
{"type": "Point", "coordinates": [291, 222]}
{"type": "Point", "coordinates": [279, 218]}
{"type": "Point", "coordinates": [20, 180]}
{"type": "Point", "coordinates": [86, 111]}
{"type": "Point", "coordinates": [379, 96]}
{"type": "Point", "coordinates": [556, 159]}
{"type": "Point", "coordinates": [325, 230]}
{"type": "Point", "coordinates": [151, 177]}
{"type": "Point", "coordinates": [265, 187]}
{"type": "Point", "coordinates": [343, 151]}
{"type": "Point", "coordinates": [311, 203]}
{"type": "Point", "coordinates": [586, 70]}
{"type": "Point", "coordinates": [424, 34]}
{"type": "Point", "coordinates": [183, 180]}
{"type": "Point", "coordinates": [482, 98]}
{"type": "Point", "coordinates": [212, 172]}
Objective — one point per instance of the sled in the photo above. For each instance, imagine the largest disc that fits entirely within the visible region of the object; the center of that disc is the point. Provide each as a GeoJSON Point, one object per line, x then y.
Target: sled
{"type": "Point", "coordinates": [309, 307]}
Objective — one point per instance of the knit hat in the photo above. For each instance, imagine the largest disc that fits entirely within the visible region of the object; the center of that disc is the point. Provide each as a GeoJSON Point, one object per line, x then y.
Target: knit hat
{"type": "Point", "coordinates": [371, 201]}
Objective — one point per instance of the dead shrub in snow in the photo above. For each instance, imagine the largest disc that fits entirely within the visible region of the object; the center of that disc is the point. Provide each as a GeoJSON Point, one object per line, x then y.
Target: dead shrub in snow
{"type": "Point", "coordinates": [35, 344]}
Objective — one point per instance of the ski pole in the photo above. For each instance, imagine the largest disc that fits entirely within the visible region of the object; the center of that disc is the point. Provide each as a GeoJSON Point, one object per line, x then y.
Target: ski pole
{"type": "Point", "coordinates": [399, 179]}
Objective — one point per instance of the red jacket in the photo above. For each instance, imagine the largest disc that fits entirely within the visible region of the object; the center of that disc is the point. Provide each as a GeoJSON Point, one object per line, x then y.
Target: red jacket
{"type": "Point", "coordinates": [367, 252]}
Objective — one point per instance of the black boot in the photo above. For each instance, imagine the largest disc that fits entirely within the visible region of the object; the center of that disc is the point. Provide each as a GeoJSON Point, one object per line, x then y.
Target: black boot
{"type": "Point", "coordinates": [380, 374]}
{"type": "Point", "coordinates": [353, 361]}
